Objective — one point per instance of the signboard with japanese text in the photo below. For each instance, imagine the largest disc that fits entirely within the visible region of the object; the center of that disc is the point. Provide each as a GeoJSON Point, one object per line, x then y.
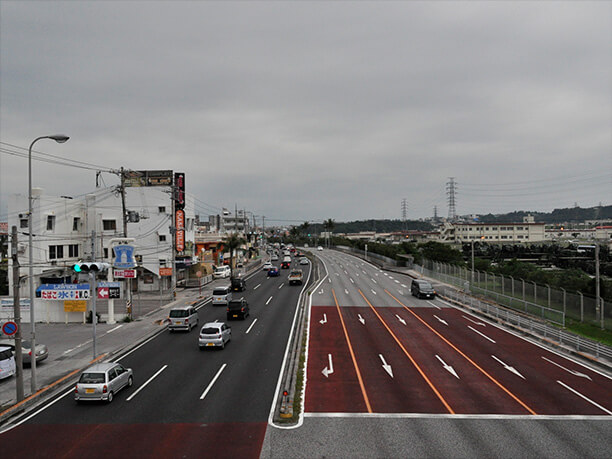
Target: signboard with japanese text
{"type": "Point", "coordinates": [179, 190]}
{"type": "Point", "coordinates": [180, 230]}
{"type": "Point", "coordinates": [147, 178]}
{"type": "Point", "coordinates": [124, 274]}
{"type": "Point", "coordinates": [75, 306]}
{"type": "Point", "coordinates": [64, 291]}
{"type": "Point", "coordinates": [165, 271]}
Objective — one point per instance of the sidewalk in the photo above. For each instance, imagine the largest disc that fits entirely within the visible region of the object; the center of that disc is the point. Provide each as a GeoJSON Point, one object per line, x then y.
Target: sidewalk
{"type": "Point", "coordinates": [71, 346]}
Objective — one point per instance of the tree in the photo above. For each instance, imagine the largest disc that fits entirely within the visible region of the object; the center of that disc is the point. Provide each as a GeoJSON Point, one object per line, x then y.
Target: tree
{"type": "Point", "coordinates": [232, 243]}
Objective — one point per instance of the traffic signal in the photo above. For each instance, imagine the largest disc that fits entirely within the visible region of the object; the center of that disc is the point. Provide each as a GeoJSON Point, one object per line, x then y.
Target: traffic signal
{"type": "Point", "coordinates": [90, 267]}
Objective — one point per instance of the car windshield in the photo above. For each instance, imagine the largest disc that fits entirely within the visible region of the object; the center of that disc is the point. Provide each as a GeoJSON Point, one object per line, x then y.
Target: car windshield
{"type": "Point", "coordinates": [210, 331]}
{"type": "Point", "coordinates": [219, 291]}
{"type": "Point", "coordinates": [91, 378]}
{"type": "Point", "coordinates": [179, 313]}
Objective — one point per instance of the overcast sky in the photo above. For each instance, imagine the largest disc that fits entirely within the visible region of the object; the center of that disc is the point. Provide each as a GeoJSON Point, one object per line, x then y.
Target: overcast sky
{"type": "Point", "coordinates": [314, 110]}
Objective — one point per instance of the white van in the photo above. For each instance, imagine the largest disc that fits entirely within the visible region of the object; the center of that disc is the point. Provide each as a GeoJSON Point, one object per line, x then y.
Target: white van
{"type": "Point", "coordinates": [7, 362]}
{"type": "Point", "coordinates": [183, 318]}
{"type": "Point", "coordinates": [221, 272]}
{"type": "Point", "coordinates": [221, 296]}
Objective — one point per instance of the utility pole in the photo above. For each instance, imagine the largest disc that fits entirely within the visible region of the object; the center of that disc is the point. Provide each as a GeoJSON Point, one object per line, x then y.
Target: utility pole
{"type": "Point", "coordinates": [124, 213]}
{"type": "Point", "coordinates": [17, 314]}
{"type": "Point", "coordinates": [598, 301]}
{"type": "Point", "coordinates": [94, 293]}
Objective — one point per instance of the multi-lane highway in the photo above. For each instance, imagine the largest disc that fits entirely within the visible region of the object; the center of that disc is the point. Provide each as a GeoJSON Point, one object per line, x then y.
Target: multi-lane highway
{"type": "Point", "coordinates": [387, 375]}
{"type": "Point", "coordinates": [185, 402]}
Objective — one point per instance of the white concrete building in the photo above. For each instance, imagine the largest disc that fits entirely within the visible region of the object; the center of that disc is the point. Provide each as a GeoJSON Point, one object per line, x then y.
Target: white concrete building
{"type": "Point", "coordinates": [493, 232]}
{"type": "Point", "coordinates": [63, 234]}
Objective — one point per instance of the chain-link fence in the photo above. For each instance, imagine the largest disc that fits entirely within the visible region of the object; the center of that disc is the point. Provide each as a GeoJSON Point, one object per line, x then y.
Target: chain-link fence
{"type": "Point", "coordinates": [543, 301]}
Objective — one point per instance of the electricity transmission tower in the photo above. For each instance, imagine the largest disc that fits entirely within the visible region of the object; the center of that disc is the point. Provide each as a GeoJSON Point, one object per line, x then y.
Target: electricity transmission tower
{"type": "Point", "coordinates": [451, 191]}
{"type": "Point", "coordinates": [404, 213]}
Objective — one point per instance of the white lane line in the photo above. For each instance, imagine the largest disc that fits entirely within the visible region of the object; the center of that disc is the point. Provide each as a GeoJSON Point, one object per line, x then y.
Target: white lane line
{"type": "Point", "coordinates": [281, 286]}
{"type": "Point", "coordinates": [396, 281]}
{"type": "Point", "coordinates": [575, 373]}
{"type": "Point", "coordinates": [481, 334]}
{"type": "Point", "coordinates": [113, 329]}
{"type": "Point", "coordinates": [434, 305]}
{"type": "Point", "coordinates": [213, 381]}
{"type": "Point", "coordinates": [374, 281]}
{"type": "Point", "coordinates": [268, 302]}
{"type": "Point", "coordinates": [352, 281]}
{"type": "Point", "coordinates": [473, 321]}
{"type": "Point", "coordinates": [373, 292]}
{"type": "Point", "coordinates": [249, 329]}
{"type": "Point", "coordinates": [257, 286]}
{"type": "Point", "coordinates": [148, 381]}
{"type": "Point", "coordinates": [404, 285]}
{"type": "Point", "coordinates": [346, 291]}
{"type": "Point", "coordinates": [587, 399]}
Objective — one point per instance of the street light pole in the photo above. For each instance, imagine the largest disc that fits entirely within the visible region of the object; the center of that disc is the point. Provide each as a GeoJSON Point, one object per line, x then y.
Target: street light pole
{"type": "Point", "coordinates": [59, 138]}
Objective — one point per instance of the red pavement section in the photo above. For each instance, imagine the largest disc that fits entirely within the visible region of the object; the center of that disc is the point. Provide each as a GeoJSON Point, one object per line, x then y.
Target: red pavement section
{"type": "Point", "coordinates": [539, 389]}
{"type": "Point", "coordinates": [469, 392]}
{"type": "Point", "coordinates": [340, 391]}
{"type": "Point", "coordinates": [229, 440]}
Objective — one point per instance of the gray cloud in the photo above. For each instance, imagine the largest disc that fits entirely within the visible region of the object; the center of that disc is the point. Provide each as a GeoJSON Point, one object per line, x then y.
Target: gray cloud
{"type": "Point", "coordinates": [311, 110]}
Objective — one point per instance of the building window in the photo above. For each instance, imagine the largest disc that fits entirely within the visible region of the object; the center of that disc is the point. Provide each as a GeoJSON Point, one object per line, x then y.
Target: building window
{"type": "Point", "coordinates": [73, 250]}
{"type": "Point", "coordinates": [23, 223]}
{"type": "Point", "coordinates": [56, 251]}
{"type": "Point", "coordinates": [162, 238]}
{"type": "Point", "coordinates": [109, 225]}
{"type": "Point", "coordinates": [105, 253]}
{"type": "Point", "coordinates": [162, 209]}
{"type": "Point", "coordinates": [50, 222]}
{"type": "Point", "coordinates": [162, 263]}
{"type": "Point", "coordinates": [76, 222]}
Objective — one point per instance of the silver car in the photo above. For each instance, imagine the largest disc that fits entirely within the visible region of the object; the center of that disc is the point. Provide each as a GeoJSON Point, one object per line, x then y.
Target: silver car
{"type": "Point", "coordinates": [42, 352]}
{"type": "Point", "coordinates": [214, 334]}
{"type": "Point", "coordinates": [102, 381]}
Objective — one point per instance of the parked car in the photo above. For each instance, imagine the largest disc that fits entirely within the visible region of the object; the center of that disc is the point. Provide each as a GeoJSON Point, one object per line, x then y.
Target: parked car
{"type": "Point", "coordinates": [422, 289]}
{"type": "Point", "coordinates": [42, 352]}
{"type": "Point", "coordinates": [214, 334]}
{"type": "Point", "coordinates": [267, 265]}
{"type": "Point", "coordinates": [102, 381]}
{"type": "Point", "coordinates": [183, 318]}
{"type": "Point", "coordinates": [238, 309]}
{"type": "Point", "coordinates": [273, 272]}
{"type": "Point", "coordinates": [221, 296]}
{"type": "Point", "coordinates": [7, 362]}
{"type": "Point", "coordinates": [238, 284]}
{"type": "Point", "coordinates": [221, 272]}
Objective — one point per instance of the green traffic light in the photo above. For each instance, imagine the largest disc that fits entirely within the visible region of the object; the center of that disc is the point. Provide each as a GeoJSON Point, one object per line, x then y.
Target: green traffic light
{"type": "Point", "coordinates": [77, 268]}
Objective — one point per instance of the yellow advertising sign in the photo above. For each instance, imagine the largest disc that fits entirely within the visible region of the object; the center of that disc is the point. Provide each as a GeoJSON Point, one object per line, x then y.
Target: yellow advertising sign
{"type": "Point", "coordinates": [75, 306]}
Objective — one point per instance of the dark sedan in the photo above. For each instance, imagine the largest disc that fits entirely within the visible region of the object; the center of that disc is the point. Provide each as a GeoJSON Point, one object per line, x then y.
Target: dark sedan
{"type": "Point", "coordinates": [273, 271]}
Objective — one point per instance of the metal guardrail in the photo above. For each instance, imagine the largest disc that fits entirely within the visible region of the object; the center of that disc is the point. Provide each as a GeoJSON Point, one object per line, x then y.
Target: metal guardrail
{"type": "Point", "coordinates": [577, 342]}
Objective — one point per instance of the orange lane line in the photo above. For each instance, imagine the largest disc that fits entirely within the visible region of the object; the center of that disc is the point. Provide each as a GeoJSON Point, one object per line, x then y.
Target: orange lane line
{"type": "Point", "coordinates": [350, 346]}
{"type": "Point", "coordinates": [40, 391]}
{"type": "Point", "coordinates": [495, 381]}
{"type": "Point", "coordinates": [416, 365]}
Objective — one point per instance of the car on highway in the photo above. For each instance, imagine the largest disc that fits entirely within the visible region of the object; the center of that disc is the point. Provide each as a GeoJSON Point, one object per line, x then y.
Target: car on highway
{"type": "Point", "coordinates": [267, 265]}
{"type": "Point", "coordinates": [214, 334]}
{"type": "Point", "coordinates": [422, 289]}
{"type": "Point", "coordinates": [274, 257]}
{"type": "Point", "coordinates": [182, 318]}
{"type": "Point", "coordinates": [319, 248]}
{"type": "Point", "coordinates": [296, 277]}
{"type": "Point", "coordinates": [222, 272]}
{"type": "Point", "coordinates": [304, 261]}
{"type": "Point", "coordinates": [221, 296]}
{"type": "Point", "coordinates": [238, 309]}
{"type": "Point", "coordinates": [273, 271]}
{"type": "Point", "coordinates": [238, 284]}
{"type": "Point", "coordinates": [7, 362]}
{"type": "Point", "coordinates": [102, 381]}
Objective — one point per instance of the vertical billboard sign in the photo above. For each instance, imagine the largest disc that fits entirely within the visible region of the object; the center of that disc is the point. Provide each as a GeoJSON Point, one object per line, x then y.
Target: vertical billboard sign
{"type": "Point", "coordinates": [179, 220]}
{"type": "Point", "coordinates": [179, 190]}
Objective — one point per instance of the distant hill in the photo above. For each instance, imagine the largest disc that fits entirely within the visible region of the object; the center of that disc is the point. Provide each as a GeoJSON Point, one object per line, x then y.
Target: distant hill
{"type": "Point", "coordinates": [569, 215]}
{"type": "Point", "coordinates": [380, 226]}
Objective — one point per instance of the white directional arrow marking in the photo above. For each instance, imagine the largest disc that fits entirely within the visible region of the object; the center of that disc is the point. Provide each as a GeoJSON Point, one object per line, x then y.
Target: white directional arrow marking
{"type": "Point", "coordinates": [441, 320]}
{"type": "Point", "coordinates": [328, 371]}
{"type": "Point", "coordinates": [400, 319]}
{"type": "Point", "coordinates": [448, 368]}
{"type": "Point", "coordinates": [575, 373]}
{"type": "Point", "coordinates": [473, 321]}
{"type": "Point", "coordinates": [386, 366]}
{"type": "Point", "coordinates": [509, 368]}
{"type": "Point", "coordinates": [324, 320]}
{"type": "Point", "coordinates": [361, 319]}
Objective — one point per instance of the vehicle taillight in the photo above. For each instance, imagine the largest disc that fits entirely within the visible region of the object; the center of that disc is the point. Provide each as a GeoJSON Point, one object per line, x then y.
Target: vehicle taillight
{"type": "Point", "coordinates": [186, 321]}
{"type": "Point", "coordinates": [104, 389]}
{"type": "Point", "coordinates": [241, 309]}
{"type": "Point", "coordinates": [219, 335]}
{"type": "Point", "coordinates": [76, 389]}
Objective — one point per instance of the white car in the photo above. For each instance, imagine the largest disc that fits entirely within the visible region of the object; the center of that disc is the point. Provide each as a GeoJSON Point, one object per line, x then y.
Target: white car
{"type": "Point", "coordinates": [222, 272]}
{"type": "Point", "coordinates": [319, 248]}
{"type": "Point", "coordinates": [267, 265]}
{"type": "Point", "coordinates": [303, 261]}
{"type": "Point", "coordinates": [7, 362]}
{"type": "Point", "coordinates": [214, 334]}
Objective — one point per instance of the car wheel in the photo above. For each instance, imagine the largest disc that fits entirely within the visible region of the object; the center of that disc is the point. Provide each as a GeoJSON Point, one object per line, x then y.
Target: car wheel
{"type": "Point", "coordinates": [110, 397]}
{"type": "Point", "coordinates": [130, 381]}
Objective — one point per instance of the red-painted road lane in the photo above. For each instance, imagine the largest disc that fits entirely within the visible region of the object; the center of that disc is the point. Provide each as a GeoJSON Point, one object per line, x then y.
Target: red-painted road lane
{"type": "Point", "coordinates": [340, 391]}
{"type": "Point", "coordinates": [134, 440]}
{"type": "Point", "coordinates": [466, 389]}
{"type": "Point", "coordinates": [543, 380]}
